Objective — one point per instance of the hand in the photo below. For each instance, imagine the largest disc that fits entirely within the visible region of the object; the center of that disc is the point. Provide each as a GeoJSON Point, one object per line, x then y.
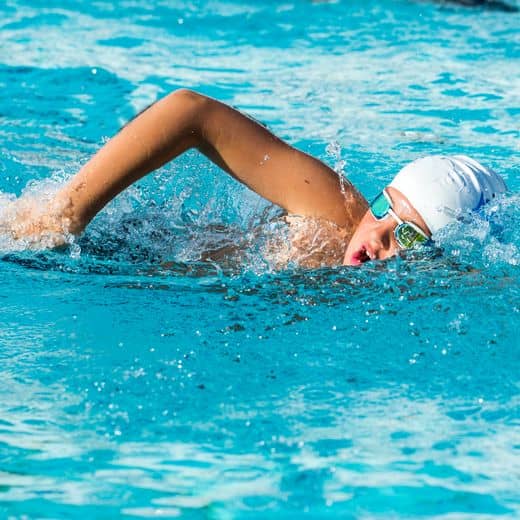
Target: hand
{"type": "Point", "coordinates": [32, 223]}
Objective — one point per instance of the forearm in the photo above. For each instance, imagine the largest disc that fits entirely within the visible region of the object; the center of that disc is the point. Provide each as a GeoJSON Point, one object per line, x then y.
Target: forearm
{"type": "Point", "coordinates": [159, 134]}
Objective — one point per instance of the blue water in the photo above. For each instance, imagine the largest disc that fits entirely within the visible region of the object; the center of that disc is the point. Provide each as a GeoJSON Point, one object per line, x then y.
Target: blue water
{"type": "Point", "coordinates": [141, 376]}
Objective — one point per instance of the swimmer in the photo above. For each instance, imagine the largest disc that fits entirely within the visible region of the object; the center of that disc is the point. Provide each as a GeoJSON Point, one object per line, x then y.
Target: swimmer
{"type": "Point", "coordinates": [424, 196]}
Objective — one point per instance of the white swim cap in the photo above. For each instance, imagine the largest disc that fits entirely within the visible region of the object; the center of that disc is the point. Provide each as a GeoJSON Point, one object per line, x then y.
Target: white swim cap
{"type": "Point", "coordinates": [441, 188]}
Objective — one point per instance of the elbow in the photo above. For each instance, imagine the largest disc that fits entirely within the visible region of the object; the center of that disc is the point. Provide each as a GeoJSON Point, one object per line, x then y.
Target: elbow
{"type": "Point", "coordinates": [189, 107]}
{"type": "Point", "coordinates": [188, 99]}
{"type": "Point", "coordinates": [185, 94]}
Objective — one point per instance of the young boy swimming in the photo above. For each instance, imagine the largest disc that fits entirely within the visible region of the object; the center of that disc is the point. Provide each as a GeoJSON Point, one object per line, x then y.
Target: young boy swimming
{"type": "Point", "coordinates": [423, 197]}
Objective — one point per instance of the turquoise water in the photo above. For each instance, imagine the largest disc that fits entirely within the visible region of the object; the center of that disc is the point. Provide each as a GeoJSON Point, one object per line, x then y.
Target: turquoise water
{"type": "Point", "coordinates": [138, 378]}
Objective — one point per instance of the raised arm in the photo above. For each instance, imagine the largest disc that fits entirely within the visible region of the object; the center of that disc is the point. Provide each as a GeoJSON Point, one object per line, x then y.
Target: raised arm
{"type": "Point", "coordinates": [238, 144]}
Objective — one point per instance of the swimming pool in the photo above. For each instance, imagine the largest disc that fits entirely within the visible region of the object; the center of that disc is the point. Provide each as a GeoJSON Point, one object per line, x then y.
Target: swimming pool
{"type": "Point", "coordinates": [138, 379]}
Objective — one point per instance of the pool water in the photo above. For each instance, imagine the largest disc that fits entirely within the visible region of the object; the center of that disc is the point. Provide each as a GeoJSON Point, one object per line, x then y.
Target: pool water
{"type": "Point", "coordinates": [139, 378]}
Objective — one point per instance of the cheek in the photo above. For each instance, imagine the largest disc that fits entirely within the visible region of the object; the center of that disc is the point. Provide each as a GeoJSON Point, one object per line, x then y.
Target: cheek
{"type": "Point", "coordinates": [370, 230]}
{"type": "Point", "coordinates": [359, 237]}
{"type": "Point", "coordinates": [364, 226]}
{"type": "Point", "coordinates": [359, 234]}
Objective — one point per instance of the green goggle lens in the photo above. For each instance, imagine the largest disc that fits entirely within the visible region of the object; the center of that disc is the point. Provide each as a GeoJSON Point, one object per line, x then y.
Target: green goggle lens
{"type": "Point", "coordinates": [408, 237]}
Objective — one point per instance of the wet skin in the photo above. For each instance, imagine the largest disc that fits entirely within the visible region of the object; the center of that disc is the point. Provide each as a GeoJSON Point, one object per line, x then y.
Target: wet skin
{"type": "Point", "coordinates": [374, 239]}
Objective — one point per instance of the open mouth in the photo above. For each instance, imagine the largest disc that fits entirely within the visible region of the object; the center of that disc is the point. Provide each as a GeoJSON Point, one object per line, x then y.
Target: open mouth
{"type": "Point", "coordinates": [360, 256]}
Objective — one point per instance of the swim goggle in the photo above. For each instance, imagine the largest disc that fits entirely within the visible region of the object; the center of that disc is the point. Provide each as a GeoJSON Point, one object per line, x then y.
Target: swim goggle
{"type": "Point", "coordinates": [407, 234]}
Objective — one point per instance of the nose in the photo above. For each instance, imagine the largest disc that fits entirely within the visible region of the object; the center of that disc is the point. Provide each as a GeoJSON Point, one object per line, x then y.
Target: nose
{"type": "Point", "coordinates": [381, 239]}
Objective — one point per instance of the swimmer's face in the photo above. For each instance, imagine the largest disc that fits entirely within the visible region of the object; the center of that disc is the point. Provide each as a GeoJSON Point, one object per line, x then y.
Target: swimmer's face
{"type": "Point", "coordinates": [374, 239]}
